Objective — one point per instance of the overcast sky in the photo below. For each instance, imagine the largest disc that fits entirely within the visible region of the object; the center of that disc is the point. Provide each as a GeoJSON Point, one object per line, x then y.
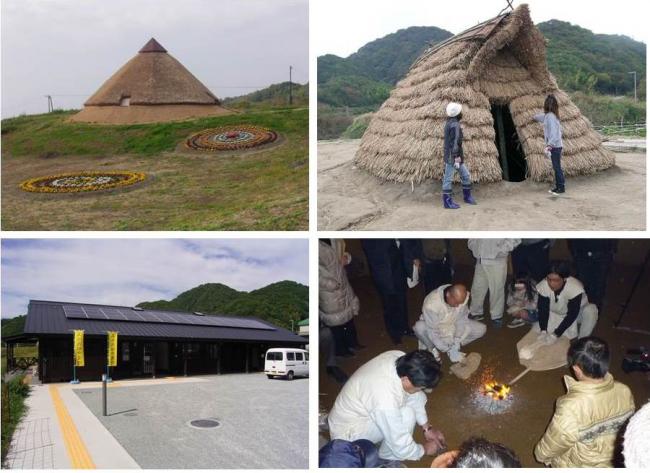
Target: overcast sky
{"type": "Point", "coordinates": [343, 26]}
{"type": "Point", "coordinates": [129, 271]}
{"type": "Point", "coordinates": [70, 47]}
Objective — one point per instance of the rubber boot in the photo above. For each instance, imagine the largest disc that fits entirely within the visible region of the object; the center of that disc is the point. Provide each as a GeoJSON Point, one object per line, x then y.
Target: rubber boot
{"type": "Point", "coordinates": [467, 196]}
{"type": "Point", "coordinates": [448, 202]}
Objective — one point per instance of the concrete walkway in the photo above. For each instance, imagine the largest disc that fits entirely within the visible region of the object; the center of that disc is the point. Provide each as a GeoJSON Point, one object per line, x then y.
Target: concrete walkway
{"type": "Point", "coordinates": [59, 432]}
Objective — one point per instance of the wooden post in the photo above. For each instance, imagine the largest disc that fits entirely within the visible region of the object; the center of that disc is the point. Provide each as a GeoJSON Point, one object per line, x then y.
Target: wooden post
{"type": "Point", "coordinates": [502, 143]}
{"type": "Point", "coordinates": [218, 358]}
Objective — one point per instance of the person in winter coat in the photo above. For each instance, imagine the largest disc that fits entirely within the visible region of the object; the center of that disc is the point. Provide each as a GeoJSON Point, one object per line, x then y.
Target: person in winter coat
{"type": "Point", "coordinates": [490, 274]}
{"type": "Point", "coordinates": [391, 263]}
{"type": "Point", "coordinates": [553, 140]}
{"type": "Point", "coordinates": [454, 158]}
{"type": "Point", "coordinates": [444, 325]}
{"type": "Point", "coordinates": [337, 302]}
{"type": "Point", "coordinates": [384, 400]}
{"type": "Point", "coordinates": [583, 430]}
{"type": "Point", "coordinates": [636, 440]}
{"type": "Point", "coordinates": [521, 301]}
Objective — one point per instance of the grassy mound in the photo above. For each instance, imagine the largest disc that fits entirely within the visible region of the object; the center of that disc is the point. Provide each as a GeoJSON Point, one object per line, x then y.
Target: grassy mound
{"type": "Point", "coordinates": [358, 127]}
{"type": "Point", "coordinates": [265, 190]}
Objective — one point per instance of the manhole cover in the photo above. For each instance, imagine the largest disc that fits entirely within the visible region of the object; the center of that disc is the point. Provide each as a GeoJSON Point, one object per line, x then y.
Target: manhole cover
{"type": "Point", "coordinates": [204, 423]}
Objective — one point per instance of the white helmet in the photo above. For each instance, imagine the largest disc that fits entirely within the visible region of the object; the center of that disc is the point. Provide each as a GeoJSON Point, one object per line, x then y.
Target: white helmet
{"type": "Point", "coordinates": [454, 109]}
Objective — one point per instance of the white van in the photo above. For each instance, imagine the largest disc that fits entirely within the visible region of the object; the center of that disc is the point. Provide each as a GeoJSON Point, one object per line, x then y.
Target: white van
{"type": "Point", "coordinates": [287, 362]}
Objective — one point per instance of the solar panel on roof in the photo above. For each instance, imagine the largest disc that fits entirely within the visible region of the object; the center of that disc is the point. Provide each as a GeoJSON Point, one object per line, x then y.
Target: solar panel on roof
{"type": "Point", "coordinates": [73, 311]}
{"type": "Point", "coordinates": [79, 311]}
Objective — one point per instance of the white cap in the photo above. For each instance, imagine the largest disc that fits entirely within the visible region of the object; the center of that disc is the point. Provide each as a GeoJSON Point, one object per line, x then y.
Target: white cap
{"type": "Point", "coordinates": [454, 109]}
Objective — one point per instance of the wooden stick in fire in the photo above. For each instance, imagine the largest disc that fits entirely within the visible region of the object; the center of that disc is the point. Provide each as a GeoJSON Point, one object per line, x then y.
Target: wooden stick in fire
{"type": "Point", "coordinates": [518, 377]}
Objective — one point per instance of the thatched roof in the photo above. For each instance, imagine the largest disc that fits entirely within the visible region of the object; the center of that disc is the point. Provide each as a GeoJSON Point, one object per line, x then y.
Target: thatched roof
{"type": "Point", "coordinates": [501, 61]}
{"type": "Point", "coordinates": [152, 77]}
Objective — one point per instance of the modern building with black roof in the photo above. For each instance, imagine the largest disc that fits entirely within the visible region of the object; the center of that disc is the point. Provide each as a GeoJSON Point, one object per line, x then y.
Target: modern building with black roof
{"type": "Point", "coordinates": [151, 343]}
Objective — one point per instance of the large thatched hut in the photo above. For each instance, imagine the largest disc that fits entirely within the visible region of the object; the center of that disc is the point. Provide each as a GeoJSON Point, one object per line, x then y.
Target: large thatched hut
{"type": "Point", "coordinates": [152, 87]}
{"type": "Point", "coordinates": [497, 70]}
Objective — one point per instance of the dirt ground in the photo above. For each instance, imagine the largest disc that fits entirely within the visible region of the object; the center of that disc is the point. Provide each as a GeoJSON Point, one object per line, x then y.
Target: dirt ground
{"type": "Point", "coordinates": [352, 199]}
{"type": "Point", "coordinates": [521, 426]}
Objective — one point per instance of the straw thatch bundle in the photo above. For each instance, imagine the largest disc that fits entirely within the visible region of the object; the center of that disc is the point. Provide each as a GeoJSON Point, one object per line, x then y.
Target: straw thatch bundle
{"type": "Point", "coordinates": [499, 62]}
{"type": "Point", "coordinates": [152, 86]}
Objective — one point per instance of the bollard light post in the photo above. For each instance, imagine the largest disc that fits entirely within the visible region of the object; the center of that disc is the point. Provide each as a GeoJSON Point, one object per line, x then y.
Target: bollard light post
{"type": "Point", "coordinates": [104, 389]}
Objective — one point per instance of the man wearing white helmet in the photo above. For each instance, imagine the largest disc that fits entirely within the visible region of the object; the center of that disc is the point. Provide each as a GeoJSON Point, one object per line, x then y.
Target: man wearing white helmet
{"type": "Point", "coordinates": [454, 158]}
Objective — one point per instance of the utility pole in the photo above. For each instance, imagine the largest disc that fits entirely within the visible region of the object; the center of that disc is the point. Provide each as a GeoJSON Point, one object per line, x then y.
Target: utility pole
{"type": "Point", "coordinates": [634, 73]}
{"type": "Point", "coordinates": [50, 105]}
{"type": "Point", "coordinates": [290, 92]}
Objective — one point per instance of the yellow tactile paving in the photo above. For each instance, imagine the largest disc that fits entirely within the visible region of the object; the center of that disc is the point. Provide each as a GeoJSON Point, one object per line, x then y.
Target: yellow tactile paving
{"type": "Point", "coordinates": [77, 451]}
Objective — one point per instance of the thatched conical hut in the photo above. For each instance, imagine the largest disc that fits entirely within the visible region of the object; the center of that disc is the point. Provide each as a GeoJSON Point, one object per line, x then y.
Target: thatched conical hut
{"type": "Point", "coordinates": [152, 87]}
{"type": "Point", "coordinates": [497, 70]}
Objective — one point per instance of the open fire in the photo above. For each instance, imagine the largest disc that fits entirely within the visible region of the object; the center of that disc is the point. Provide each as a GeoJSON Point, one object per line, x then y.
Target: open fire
{"type": "Point", "coordinates": [497, 391]}
{"type": "Point", "coordinates": [493, 397]}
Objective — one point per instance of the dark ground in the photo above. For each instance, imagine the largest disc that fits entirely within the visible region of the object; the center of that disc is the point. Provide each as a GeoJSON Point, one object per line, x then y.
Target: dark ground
{"type": "Point", "coordinates": [450, 408]}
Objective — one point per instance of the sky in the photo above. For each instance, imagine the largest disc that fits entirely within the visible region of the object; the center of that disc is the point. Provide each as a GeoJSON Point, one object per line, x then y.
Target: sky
{"type": "Point", "coordinates": [341, 27]}
{"type": "Point", "coordinates": [129, 271]}
{"type": "Point", "coordinates": [68, 48]}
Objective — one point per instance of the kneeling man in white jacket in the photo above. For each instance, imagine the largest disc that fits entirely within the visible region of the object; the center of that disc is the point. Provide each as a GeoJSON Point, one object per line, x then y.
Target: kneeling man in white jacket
{"type": "Point", "coordinates": [444, 325]}
{"type": "Point", "coordinates": [383, 400]}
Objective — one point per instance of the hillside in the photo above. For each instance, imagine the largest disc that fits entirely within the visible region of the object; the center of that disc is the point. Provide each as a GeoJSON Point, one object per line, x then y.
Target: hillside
{"type": "Point", "coordinates": [385, 59]}
{"type": "Point", "coordinates": [275, 95]}
{"type": "Point", "coordinates": [278, 303]}
{"type": "Point", "coordinates": [268, 190]}
{"type": "Point", "coordinates": [13, 326]}
{"type": "Point", "coordinates": [581, 61]}
{"type": "Point", "coordinates": [584, 61]}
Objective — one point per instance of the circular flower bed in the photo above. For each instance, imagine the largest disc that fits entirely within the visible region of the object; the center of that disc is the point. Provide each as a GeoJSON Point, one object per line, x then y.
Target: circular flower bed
{"type": "Point", "coordinates": [230, 138]}
{"type": "Point", "coordinates": [84, 181]}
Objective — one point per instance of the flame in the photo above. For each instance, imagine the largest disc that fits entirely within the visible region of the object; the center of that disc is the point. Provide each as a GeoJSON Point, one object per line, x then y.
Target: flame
{"type": "Point", "coordinates": [496, 390]}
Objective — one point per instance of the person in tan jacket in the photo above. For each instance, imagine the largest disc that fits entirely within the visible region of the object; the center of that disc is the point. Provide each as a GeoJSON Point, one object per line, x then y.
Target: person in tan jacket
{"type": "Point", "coordinates": [583, 430]}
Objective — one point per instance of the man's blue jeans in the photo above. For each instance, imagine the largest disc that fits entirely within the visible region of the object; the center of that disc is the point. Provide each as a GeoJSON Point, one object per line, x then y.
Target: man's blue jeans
{"type": "Point", "coordinates": [449, 176]}
{"type": "Point", "coordinates": [556, 155]}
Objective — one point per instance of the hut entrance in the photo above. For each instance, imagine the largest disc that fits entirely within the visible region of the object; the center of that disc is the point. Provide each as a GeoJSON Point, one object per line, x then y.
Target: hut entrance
{"type": "Point", "coordinates": [511, 155]}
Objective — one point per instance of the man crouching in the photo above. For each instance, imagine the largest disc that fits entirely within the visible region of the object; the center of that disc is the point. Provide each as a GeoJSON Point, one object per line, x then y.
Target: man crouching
{"type": "Point", "coordinates": [444, 325]}
{"type": "Point", "coordinates": [382, 402]}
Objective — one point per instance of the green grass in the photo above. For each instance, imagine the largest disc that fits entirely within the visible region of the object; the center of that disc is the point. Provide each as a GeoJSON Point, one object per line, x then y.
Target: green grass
{"type": "Point", "coordinates": [14, 394]}
{"type": "Point", "coordinates": [358, 126]}
{"type": "Point", "coordinates": [606, 110]}
{"type": "Point", "coordinates": [42, 135]}
{"type": "Point", "coordinates": [265, 190]}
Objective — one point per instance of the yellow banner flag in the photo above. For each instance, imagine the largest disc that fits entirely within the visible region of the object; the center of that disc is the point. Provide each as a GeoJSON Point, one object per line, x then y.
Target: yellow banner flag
{"type": "Point", "coordinates": [79, 348]}
{"type": "Point", "coordinates": [112, 348]}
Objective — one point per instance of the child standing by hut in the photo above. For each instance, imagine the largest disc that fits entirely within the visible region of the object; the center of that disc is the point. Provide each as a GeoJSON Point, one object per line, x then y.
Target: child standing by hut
{"type": "Point", "coordinates": [454, 158]}
{"type": "Point", "coordinates": [553, 139]}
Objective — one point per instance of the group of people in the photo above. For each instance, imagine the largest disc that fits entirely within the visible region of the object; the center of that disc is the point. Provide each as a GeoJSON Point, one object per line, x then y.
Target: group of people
{"type": "Point", "coordinates": [454, 157]}
{"type": "Point", "coordinates": [542, 294]}
{"type": "Point", "coordinates": [384, 400]}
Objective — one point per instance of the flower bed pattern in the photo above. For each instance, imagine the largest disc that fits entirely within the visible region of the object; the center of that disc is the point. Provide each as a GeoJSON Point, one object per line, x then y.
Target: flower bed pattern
{"type": "Point", "coordinates": [84, 181]}
{"type": "Point", "coordinates": [231, 138]}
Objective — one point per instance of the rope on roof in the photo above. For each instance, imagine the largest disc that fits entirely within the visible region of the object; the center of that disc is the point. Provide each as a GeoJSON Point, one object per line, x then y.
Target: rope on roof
{"type": "Point", "coordinates": [507, 6]}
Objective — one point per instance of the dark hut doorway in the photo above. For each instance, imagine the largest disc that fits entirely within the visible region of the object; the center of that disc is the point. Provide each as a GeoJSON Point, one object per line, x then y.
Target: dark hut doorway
{"type": "Point", "coordinates": [511, 156]}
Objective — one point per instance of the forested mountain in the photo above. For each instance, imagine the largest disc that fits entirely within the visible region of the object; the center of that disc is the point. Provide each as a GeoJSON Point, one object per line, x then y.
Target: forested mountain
{"type": "Point", "coordinates": [581, 61]}
{"type": "Point", "coordinates": [13, 326]}
{"type": "Point", "coordinates": [276, 95]}
{"type": "Point", "coordinates": [278, 303]}
{"type": "Point", "coordinates": [588, 62]}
